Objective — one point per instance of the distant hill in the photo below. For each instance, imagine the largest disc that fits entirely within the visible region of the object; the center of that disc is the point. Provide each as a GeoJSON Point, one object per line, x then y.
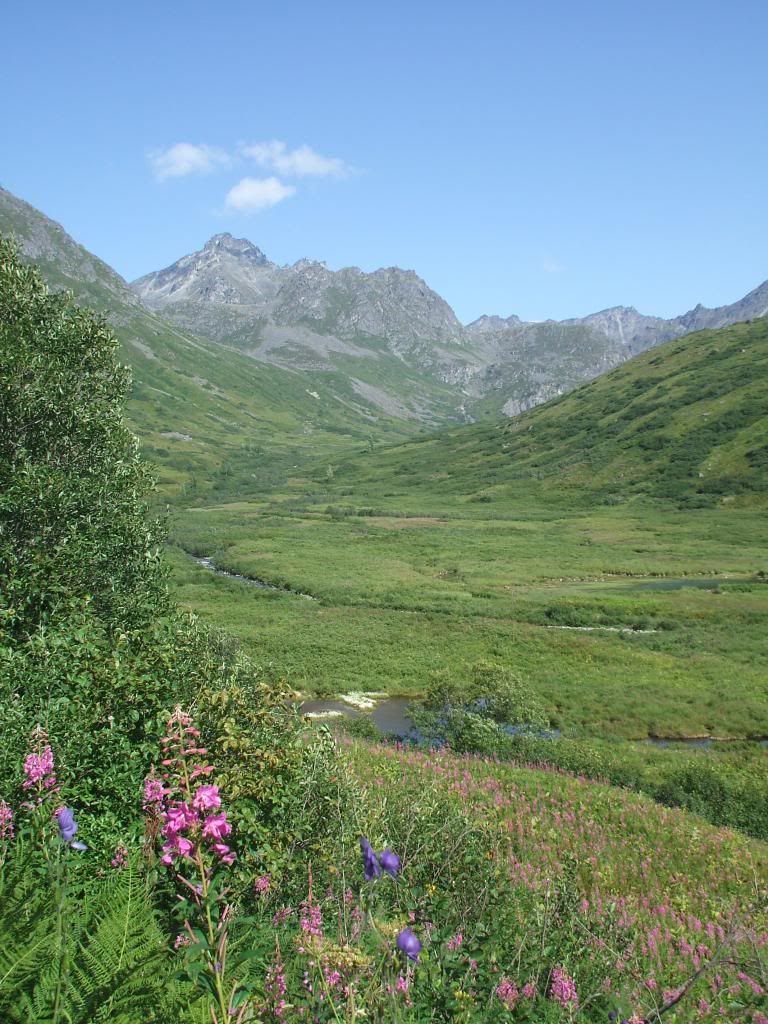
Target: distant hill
{"type": "Point", "coordinates": [686, 421]}
{"type": "Point", "coordinates": [208, 416]}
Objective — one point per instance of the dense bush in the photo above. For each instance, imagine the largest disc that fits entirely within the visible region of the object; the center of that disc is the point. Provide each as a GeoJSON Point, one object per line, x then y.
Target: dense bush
{"type": "Point", "coordinates": [472, 711]}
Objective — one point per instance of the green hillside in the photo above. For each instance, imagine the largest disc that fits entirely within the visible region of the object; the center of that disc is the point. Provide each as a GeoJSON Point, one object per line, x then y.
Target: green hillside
{"type": "Point", "coordinates": [686, 421]}
{"type": "Point", "coordinates": [209, 417]}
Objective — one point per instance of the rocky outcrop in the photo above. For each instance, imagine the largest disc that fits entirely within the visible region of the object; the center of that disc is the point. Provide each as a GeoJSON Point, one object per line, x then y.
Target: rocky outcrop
{"type": "Point", "coordinates": [308, 316]}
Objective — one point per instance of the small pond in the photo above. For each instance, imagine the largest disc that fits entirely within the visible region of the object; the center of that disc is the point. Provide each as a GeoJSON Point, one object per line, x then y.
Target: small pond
{"type": "Point", "coordinates": [391, 716]}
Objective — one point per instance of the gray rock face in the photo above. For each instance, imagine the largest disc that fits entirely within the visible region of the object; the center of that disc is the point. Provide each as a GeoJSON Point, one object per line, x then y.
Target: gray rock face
{"type": "Point", "coordinates": [307, 316]}
{"type": "Point", "coordinates": [391, 304]}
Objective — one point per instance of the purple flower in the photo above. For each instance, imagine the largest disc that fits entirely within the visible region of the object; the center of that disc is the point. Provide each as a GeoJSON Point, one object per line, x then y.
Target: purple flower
{"type": "Point", "coordinates": [390, 862]}
{"type": "Point", "coordinates": [371, 866]}
{"type": "Point", "coordinates": [68, 828]}
{"type": "Point", "coordinates": [408, 942]}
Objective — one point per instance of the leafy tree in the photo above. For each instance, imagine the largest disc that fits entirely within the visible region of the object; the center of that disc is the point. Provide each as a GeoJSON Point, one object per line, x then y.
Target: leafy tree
{"type": "Point", "coordinates": [73, 516]}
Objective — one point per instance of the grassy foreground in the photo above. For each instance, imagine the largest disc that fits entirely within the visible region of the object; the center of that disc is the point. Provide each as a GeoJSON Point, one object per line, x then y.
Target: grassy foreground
{"type": "Point", "coordinates": [634, 900]}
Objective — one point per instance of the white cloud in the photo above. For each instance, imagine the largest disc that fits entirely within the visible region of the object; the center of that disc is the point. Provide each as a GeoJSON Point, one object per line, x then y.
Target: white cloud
{"type": "Point", "coordinates": [550, 266]}
{"type": "Point", "coordinates": [300, 162]}
{"type": "Point", "coordinates": [253, 194]}
{"type": "Point", "coordinates": [185, 158]}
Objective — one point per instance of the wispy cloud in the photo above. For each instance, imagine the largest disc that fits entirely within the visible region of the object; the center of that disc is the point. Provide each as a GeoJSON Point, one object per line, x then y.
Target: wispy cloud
{"type": "Point", "coordinates": [300, 162]}
{"type": "Point", "coordinates": [550, 266]}
{"type": "Point", "coordinates": [185, 158]}
{"type": "Point", "coordinates": [253, 194]}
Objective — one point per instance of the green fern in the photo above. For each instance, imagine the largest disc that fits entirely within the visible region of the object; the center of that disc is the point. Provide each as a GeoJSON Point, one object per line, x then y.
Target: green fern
{"type": "Point", "coordinates": [113, 964]}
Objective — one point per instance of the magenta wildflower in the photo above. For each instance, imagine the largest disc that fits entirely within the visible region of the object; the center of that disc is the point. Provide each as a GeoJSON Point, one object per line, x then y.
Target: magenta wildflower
{"type": "Point", "coordinates": [6, 822]}
{"type": "Point", "coordinates": [38, 769]}
{"type": "Point", "coordinates": [153, 792]}
{"type": "Point", "coordinates": [206, 798]}
{"type": "Point", "coordinates": [224, 853]}
{"type": "Point", "coordinates": [506, 991]}
{"type": "Point", "coordinates": [563, 989]}
{"type": "Point", "coordinates": [455, 942]}
{"type": "Point", "coordinates": [262, 884]}
{"type": "Point", "coordinates": [282, 916]}
{"type": "Point", "coordinates": [311, 920]}
{"type": "Point", "coordinates": [179, 818]}
{"type": "Point", "coordinates": [120, 857]}
{"type": "Point", "coordinates": [176, 846]}
{"type": "Point", "coordinates": [216, 826]}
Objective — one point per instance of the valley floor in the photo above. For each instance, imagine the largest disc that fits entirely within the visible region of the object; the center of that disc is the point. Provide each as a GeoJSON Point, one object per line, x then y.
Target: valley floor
{"type": "Point", "coordinates": [628, 623]}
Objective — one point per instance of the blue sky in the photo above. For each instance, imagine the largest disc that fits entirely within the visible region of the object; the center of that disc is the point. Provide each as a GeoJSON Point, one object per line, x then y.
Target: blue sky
{"type": "Point", "coordinates": [541, 158]}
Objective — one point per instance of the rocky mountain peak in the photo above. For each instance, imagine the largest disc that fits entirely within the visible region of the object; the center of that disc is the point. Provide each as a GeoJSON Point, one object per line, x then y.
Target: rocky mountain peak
{"type": "Point", "coordinates": [239, 247]}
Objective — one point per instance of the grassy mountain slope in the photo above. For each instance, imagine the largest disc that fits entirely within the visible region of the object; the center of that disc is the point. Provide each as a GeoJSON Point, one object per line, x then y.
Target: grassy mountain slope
{"type": "Point", "coordinates": [686, 421]}
{"type": "Point", "coordinates": [208, 416]}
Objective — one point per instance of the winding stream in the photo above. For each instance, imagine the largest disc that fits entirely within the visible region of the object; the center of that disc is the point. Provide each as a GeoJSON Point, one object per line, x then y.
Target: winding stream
{"type": "Point", "coordinates": [208, 563]}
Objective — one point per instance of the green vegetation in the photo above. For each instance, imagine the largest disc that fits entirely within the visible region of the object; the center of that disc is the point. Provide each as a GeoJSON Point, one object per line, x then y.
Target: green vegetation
{"type": "Point", "coordinates": [163, 863]}
{"type": "Point", "coordinates": [545, 593]}
{"type": "Point", "coordinates": [686, 422]}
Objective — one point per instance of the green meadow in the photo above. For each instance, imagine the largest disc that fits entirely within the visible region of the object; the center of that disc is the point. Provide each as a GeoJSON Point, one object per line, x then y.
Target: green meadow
{"type": "Point", "coordinates": [627, 624]}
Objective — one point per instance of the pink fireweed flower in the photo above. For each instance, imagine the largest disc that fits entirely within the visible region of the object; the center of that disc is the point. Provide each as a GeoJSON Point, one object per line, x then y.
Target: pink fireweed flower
{"type": "Point", "coordinates": [216, 826]}
{"type": "Point", "coordinates": [120, 857]}
{"type": "Point", "coordinates": [38, 769]}
{"type": "Point", "coordinates": [332, 977]}
{"type": "Point", "coordinates": [563, 989]}
{"type": "Point", "coordinates": [311, 920]}
{"type": "Point", "coordinates": [176, 846]}
{"type": "Point", "coordinates": [223, 852]}
{"type": "Point", "coordinates": [6, 822]}
{"type": "Point", "coordinates": [153, 792]}
{"type": "Point", "coordinates": [506, 991]}
{"type": "Point", "coordinates": [206, 798]}
{"type": "Point", "coordinates": [179, 818]}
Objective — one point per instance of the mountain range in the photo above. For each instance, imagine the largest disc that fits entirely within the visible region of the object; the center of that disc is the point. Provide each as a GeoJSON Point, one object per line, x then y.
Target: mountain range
{"type": "Point", "coordinates": [242, 366]}
{"type": "Point", "coordinates": [307, 316]}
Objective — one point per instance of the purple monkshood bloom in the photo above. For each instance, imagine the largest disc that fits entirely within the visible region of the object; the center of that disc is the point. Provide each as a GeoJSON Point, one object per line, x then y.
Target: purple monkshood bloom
{"type": "Point", "coordinates": [371, 866]}
{"type": "Point", "coordinates": [68, 828]}
{"type": "Point", "coordinates": [390, 862]}
{"type": "Point", "coordinates": [408, 942]}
